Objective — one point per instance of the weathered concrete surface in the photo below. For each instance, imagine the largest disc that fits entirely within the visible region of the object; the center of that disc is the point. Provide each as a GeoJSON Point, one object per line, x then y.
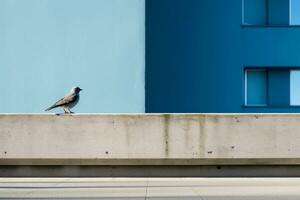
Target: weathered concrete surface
{"type": "Point", "coordinates": [88, 139]}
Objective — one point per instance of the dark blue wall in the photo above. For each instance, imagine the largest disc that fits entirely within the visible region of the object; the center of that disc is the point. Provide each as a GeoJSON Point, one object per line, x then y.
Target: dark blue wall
{"type": "Point", "coordinates": [196, 51]}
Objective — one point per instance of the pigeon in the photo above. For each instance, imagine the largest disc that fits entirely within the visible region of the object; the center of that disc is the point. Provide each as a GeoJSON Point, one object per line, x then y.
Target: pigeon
{"type": "Point", "coordinates": [68, 101]}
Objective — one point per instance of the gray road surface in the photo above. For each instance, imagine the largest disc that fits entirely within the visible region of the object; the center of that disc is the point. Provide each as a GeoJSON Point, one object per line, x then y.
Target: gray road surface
{"type": "Point", "coordinates": [150, 188]}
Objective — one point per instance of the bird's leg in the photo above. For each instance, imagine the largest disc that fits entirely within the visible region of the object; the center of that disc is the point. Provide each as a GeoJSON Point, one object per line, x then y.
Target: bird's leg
{"type": "Point", "coordinates": [70, 112]}
{"type": "Point", "coordinates": [65, 110]}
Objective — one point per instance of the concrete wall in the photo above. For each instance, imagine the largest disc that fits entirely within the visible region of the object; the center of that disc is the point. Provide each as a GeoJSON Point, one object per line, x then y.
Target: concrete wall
{"type": "Point", "coordinates": [149, 139]}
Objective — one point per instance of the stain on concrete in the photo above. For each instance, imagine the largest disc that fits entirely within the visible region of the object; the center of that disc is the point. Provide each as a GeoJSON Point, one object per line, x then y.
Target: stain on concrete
{"type": "Point", "coordinates": [127, 134]}
{"type": "Point", "coordinates": [166, 134]}
{"type": "Point", "coordinates": [202, 136]}
{"type": "Point", "coordinates": [187, 128]}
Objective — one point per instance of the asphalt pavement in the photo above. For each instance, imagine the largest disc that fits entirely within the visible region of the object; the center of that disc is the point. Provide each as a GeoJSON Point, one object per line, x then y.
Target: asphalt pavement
{"type": "Point", "coordinates": [150, 188]}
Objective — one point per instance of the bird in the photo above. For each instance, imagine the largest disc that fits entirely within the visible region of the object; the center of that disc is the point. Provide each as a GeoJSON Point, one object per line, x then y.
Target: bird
{"type": "Point", "coordinates": [68, 101]}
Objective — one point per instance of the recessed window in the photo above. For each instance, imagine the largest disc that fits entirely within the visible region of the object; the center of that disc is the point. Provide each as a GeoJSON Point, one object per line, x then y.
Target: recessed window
{"type": "Point", "coordinates": [278, 87]}
{"type": "Point", "coordinates": [271, 12]}
{"type": "Point", "coordinates": [278, 12]}
{"type": "Point", "coordinates": [256, 87]}
{"type": "Point", "coordinates": [275, 87]}
{"type": "Point", "coordinates": [255, 12]}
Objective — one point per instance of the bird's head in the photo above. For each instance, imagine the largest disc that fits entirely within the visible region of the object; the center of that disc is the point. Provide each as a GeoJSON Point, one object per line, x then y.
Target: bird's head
{"type": "Point", "coordinates": [76, 90]}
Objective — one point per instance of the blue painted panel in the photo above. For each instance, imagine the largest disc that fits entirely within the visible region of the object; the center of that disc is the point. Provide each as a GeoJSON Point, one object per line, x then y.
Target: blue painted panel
{"type": "Point", "coordinates": [256, 87]}
{"type": "Point", "coordinates": [295, 87]}
{"type": "Point", "coordinates": [295, 12]}
{"type": "Point", "coordinates": [193, 60]}
{"type": "Point", "coordinates": [255, 12]}
{"type": "Point", "coordinates": [49, 46]}
{"type": "Point", "coordinates": [279, 87]}
{"type": "Point", "coordinates": [278, 12]}
{"type": "Point", "coordinates": [197, 51]}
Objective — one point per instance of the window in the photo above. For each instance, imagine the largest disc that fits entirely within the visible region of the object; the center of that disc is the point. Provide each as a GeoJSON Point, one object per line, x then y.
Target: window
{"type": "Point", "coordinates": [278, 12]}
{"type": "Point", "coordinates": [256, 87]}
{"type": "Point", "coordinates": [278, 87]}
{"type": "Point", "coordinates": [272, 87]}
{"type": "Point", "coordinates": [255, 12]}
{"type": "Point", "coordinates": [271, 12]}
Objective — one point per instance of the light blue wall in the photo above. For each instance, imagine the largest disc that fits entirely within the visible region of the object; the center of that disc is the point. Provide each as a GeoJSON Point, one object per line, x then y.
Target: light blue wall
{"type": "Point", "coordinates": [49, 46]}
{"type": "Point", "coordinates": [295, 12]}
{"type": "Point", "coordinates": [295, 84]}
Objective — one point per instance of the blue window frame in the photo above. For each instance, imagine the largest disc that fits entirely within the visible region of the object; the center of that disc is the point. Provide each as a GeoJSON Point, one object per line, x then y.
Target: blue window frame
{"type": "Point", "coordinates": [274, 87]}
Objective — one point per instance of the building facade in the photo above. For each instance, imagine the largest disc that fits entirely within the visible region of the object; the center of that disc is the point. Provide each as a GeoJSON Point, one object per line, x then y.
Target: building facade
{"type": "Point", "coordinates": [223, 56]}
{"type": "Point", "coordinates": [152, 56]}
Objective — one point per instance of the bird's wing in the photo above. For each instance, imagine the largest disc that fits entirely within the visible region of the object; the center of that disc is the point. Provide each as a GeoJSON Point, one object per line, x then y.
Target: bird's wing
{"type": "Point", "coordinates": [66, 100]}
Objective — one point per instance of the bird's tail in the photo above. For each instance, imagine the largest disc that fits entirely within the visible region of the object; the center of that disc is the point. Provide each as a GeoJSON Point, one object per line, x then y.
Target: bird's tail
{"type": "Point", "coordinates": [50, 108]}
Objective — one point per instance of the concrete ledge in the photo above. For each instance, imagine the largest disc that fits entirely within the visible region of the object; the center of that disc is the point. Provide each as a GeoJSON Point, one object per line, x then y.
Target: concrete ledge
{"type": "Point", "coordinates": [204, 139]}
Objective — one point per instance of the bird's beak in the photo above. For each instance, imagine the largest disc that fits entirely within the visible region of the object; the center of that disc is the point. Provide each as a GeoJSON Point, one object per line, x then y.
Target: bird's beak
{"type": "Point", "coordinates": [81, 89]}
